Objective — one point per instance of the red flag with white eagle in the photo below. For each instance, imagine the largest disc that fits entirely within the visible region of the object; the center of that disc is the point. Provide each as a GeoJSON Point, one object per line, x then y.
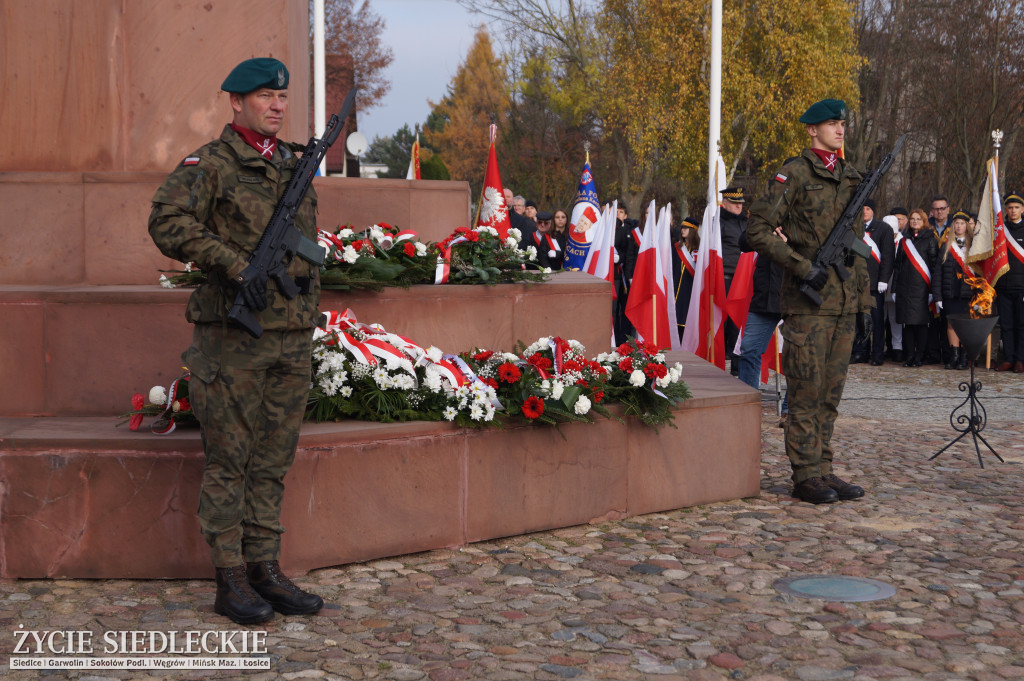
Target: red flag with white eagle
{"type": "Point", "coordinates": [647, 307]}
{"type": "Point", "coordinates": [492, 211]}
{"type": "Point", "coordinates": [706, 338]}
{"type": "Point", "coordinates": [989, 246]}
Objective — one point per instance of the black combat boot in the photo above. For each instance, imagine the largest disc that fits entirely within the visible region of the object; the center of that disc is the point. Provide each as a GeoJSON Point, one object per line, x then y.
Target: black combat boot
{"type": "Point", "coordinates": [268, 581]}
{"type": "Point", "coordinates": [954, 358]}
{"type": "Point", "coordinates": [843, 489]}
{"type": "Point", "coordinates": [964, 359]}
{"type": "Point", "coordinates": [814, 491]}
{"type": "Point", "coordinates": [236, 600]}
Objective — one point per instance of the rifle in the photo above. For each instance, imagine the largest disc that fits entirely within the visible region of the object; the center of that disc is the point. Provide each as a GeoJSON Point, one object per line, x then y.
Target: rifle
{"type": "Point", "coordinates": [281, 241]}
{"type": "Point", "coordinates": [842, 240]}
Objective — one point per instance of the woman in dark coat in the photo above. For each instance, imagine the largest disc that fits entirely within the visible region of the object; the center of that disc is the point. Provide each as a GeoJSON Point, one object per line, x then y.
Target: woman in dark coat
{"type": "Point", "coordinates": [915, 262]}
{"type": "Point", "coordinates": [952, 295]}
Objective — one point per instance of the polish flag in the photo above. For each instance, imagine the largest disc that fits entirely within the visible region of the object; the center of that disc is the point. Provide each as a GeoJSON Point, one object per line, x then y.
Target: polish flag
{"type": "Point", "coordinates": [601, 254]}
{"type": "Point", "coordinates": [414, 161]}
{"type": "Point", "coordinates": [706, 337]}
{"type": "Point", "coordinates": [492, 211]}
{"type": "Point", "coordinates": [648, 304]}
{"type": "Point", "coordinates": [772, 357]}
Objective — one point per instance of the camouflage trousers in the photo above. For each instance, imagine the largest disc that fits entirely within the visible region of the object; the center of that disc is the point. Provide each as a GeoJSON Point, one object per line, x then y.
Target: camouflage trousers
{"type": "Point", "coordinates": [815, 356]}
{"type": "Point", "coordinates": [249, 395]}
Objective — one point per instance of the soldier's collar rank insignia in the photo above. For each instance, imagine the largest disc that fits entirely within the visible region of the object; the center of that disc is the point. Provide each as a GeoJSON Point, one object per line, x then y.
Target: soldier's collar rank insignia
{"type": "Point", "coordinates": [191, 161]}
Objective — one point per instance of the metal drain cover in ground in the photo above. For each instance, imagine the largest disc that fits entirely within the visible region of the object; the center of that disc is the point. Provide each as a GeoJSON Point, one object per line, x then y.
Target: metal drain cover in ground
{"type": "Point", "coordinates": [835, 588]}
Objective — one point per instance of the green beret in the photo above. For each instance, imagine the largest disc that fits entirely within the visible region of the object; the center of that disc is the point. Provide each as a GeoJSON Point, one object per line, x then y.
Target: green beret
{"type": "Point", "coordinates": [825, 110]}
{"type": "Point", "coordinates": [1013, 197]}
{"type": "Point", "coordinates": [253, 74]}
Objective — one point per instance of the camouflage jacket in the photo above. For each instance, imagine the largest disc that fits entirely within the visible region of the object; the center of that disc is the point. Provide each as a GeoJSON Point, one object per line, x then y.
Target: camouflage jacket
{"type": "Point", "coordinates": [807, 200]}
{"type": "Point", "coordinates": [212, 210]}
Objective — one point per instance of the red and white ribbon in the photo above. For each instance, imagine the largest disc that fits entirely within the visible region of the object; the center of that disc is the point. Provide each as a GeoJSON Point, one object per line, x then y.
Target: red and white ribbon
{"type": "Point", "coordinates": [443, 270]}
{"type": "Point", "coordinates": [917, 261]}
{"type": "Point", "coordinates": [687, 259]}
{"type": "Point", "coordinates": [875, 253]}
{"type": "Point", "coordinates": [1013, 247]}
{"type": "Point", "coordinates": [958, 255]}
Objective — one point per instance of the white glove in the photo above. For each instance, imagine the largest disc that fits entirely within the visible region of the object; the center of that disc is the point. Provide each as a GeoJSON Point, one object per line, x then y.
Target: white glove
{"type": "Point", "coordinates": [931, 299]}
{"type": "Point", "coordinates": [883, 287]}
{"type": "Point", "coordinates": [938, 305]}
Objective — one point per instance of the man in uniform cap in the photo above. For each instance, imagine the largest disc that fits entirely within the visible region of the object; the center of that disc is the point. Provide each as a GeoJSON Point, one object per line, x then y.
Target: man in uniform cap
{"type": "Point", "coordinates": [733, 225]}
{"type": "Point", "coordinates": [1010, 288]}
{"type": "Point", "coordinates": [805, 198]}
{"type": "Point", "coordinates": [249, 394]}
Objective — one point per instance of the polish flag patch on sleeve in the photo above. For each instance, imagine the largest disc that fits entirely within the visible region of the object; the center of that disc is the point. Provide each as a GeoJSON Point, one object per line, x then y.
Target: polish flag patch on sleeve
{"type": "Point", "coordinates": [191, 161]}
{"type": "Point", "coordinates": [779, 177]}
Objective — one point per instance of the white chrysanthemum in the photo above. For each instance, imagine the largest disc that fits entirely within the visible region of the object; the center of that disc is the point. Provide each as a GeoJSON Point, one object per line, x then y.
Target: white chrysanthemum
{"type": "Point", "coordinates": [432, 379]}
{"type": "Point", "coordinates": [450, 413]}
{"type": "Point", "coordinates": [637, 378]}
{"type": "Point", "coordinates": [476, 412]}
{"type": "Point", "coordinates": [509, 357]}
{"type": "Point", "coordinates": [165, 282]}
{"type": "Point", "coordinates": [328, 387]}
{"type": "Point", "coordinates": [582, 405]}
{"type": "Point", "coordinates": [557, 388]}
{"type": "Point", "coordinates": [346, 391]}
{"type": "Point", "coordinates": [345, 233]}
{"type": "Point", "coordinates": [489, 413]}
{"type": "Point", "coordinates": [514, 233]}
{"type": "Point", "coordinates": [421, 249]}
{"type": "Point", "coordinates": [462, 391]}
{"type": "Point", "coordinates": [158, 395]}
{"type": "Point", "coordinates": [380, 376]}
{"type": "Point", "coordinates": [350, 255]}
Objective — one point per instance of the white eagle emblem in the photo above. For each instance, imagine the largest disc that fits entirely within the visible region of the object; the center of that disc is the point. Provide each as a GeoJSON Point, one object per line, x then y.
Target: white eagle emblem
{"type": "Point", "coordinates": [492, 207]}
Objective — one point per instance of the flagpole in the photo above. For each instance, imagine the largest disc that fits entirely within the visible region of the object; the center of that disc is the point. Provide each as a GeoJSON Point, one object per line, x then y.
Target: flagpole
{"type": "Point", "coordinates": [319, 78]}
{"type": "Point", "coordinates": [997, 139]}
{"type": "Point", "coordinates": [715, 103]}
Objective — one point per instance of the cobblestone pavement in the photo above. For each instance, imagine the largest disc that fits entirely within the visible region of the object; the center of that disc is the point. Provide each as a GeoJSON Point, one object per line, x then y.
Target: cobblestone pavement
{"type": "Point", "coordinates": [686, 594]}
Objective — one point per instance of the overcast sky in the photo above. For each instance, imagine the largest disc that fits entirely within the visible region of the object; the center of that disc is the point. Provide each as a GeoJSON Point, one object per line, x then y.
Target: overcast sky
{"type": "Point", "coordinates": [429, 38]}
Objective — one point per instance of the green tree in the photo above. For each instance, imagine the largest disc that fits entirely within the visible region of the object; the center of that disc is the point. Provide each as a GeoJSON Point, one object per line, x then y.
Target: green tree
{"type": "Point", "coordinates": [477, 93]}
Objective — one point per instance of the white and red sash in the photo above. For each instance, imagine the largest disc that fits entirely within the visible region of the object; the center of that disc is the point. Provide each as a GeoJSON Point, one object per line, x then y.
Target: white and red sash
{"type": "Point", "coordinates": [917, 261]}
{"type": "Point", "coordinates": [552, 245]}
{"type": "Point", "coordinates": [636, 235]}
{"type": "Point", "coordinates": [687, 259]}
{"type": "Point", "coordinates": [1013, 247]}
{"type": "Point", "coordinates": [958, 255]}
{"type": "Point", "coordinates": [875, 253]}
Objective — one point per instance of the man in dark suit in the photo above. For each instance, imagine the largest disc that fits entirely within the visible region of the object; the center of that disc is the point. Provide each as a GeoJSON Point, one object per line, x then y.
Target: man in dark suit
{"type": "Point", "coordinates": [879, 238]}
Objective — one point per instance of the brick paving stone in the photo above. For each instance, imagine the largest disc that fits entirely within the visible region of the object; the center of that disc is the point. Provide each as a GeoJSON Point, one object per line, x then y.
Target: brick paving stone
{"type": "Point", "coordinates": [684, 594]}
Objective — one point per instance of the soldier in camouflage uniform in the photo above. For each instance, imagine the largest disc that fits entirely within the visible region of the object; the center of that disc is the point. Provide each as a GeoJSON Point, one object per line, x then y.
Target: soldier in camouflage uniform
{"type": "Point", "coordinates": [806, 198]}
{"type": "Point", "coordinates": [249, 394]}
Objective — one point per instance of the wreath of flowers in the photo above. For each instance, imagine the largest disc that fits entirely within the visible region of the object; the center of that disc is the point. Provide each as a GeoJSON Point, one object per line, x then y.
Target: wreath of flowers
{"type": "Point", "coordinates": [639, 379]}
{"type": "Point", "coordinates": [170, 407]}
{"type": "Point", "coordinates": [384, 255]}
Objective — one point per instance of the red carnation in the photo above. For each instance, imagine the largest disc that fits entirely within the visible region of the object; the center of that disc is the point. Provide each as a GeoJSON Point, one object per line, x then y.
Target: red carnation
{"type": "Point", "coordinates": [651, 371]}
{"type": "Point", "coordinates": [627, 365]}
{"type": "Point", "coordinates": [662, 370]}
{"type": "Point", "coordinates": [410, 249]}
{"type": "Point", "coordinates": [533, 407]}
{"type": "Point", "coordinates": [384, 225]}
{"type": "Point", "coordinates": [625, 349]}
{"type": "Point", "coordinates": [509, 372]}
{"type": "Point", "coordinates": [598, 395]}
{"type": "Point", "coordinates": [483, 355]}
{"type": "Point", "coordinates": [473, 236]}
{"type": "Point", "coordinates": [138, 401]}
{"type": "Point", "coordinates": [184, 404]}
{"type": "Point", "coordinates": [572, 365]}
{"type": "Point", "coordinates": [540, 361]}
{"type": "Point", "coordinates": [491, 382]}
{"type": "Point", "coordinates": [461, 230]}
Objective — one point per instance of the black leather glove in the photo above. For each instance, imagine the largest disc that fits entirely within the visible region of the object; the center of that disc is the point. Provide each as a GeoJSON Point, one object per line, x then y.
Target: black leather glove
{"type": "Point", "coordinates": [817, 277]}
{"type": "Point", "coordinates": [864, 328]}
{"type": "Point", "coordinates": [252, 284]}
